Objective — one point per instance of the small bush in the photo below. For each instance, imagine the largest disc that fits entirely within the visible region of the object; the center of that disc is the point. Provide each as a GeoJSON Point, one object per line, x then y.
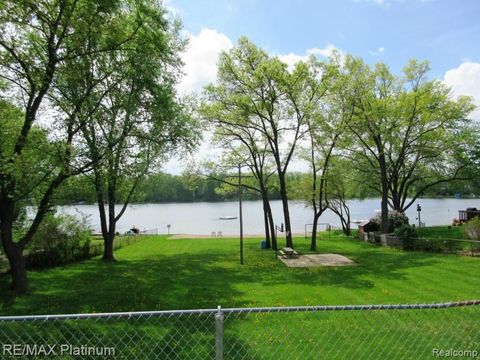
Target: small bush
{"type": "Point", "coordinates": [408, 235]}
{"type": "Point", "coordinates": [471, 229]}
{"type": "Point", "coordinates": [395, 220]}
{"type": "Point", "coordinates": [59, 240]}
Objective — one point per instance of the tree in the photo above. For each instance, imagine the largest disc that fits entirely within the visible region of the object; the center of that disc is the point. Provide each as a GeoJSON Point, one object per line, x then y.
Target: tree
{"type": "Point", "coordinates": [432, 129]}
{"type": "Point", "coordinates": [404, 127]}
{"type": "Point", "coordinates": [139, 120]}
{"type": "Point", "coordinates": [327, 115]}
{"type": "Point", "coordinates": [257, 92]}
{"type": "Point", "coordinates": [243, 146]}
{"type": "Point", "coordinates": [242, 150]}
{"type": "Point", "coordinates": [341, 179]}
{"type": "Point", "coordinates": [369, 93]}
{"type": "Point", "coordinates": [35, 163]}
{"type": "Point", "coordinates": [37, 39]}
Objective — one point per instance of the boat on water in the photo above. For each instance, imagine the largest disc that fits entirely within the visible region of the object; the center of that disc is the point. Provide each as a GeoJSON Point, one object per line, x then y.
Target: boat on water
{"type": "Point", "coordinates": [227, 217]}
{"type": "Point", "coordinates": [358, 221]}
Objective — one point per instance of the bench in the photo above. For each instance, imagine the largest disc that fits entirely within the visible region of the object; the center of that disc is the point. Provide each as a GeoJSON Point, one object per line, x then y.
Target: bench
{"type": "Point", "coordinates": [288, 253]}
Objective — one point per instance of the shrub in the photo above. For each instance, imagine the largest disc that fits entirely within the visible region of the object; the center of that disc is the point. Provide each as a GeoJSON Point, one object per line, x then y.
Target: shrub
{"type": "Point", "coordinates": [59, 240]}
{"type": "Point", "coordinates": [408, 235]}
{"type": "Point", "coordinates": [471, 229]}
{"type": "Point", "coordinates": [395, 220]}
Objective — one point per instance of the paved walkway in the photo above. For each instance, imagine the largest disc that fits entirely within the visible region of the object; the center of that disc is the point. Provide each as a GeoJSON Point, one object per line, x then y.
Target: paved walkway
{"type": "Point", "coordinates": [317, 260]}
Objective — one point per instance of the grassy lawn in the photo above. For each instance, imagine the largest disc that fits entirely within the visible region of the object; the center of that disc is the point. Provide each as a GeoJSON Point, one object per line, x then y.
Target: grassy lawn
{"type": "Point", "coordinates": [442, 232]}
{"type": "Point", "coordinates": [159, 273]}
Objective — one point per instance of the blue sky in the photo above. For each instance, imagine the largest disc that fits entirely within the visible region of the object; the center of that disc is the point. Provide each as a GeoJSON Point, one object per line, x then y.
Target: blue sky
{"type": "Point", "coordinates": [445, 32]}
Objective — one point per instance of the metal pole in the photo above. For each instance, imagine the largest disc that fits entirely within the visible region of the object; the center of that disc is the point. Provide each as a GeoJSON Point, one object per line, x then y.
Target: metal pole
{"type": "Point", "coordinates": [240, 210]}
{"type": "Point", "coordinates": [219, 334]}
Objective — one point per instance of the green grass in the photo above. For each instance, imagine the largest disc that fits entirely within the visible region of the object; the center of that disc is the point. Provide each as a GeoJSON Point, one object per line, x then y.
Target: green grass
{"type": "Point", "coordinates": [442, 232]}
{"type": "Point", "coordinates": [159, 273]}
{"type": "Point", "coordinates": [97, 243]}
{"type": "Point", "coordinates": [446, 239]}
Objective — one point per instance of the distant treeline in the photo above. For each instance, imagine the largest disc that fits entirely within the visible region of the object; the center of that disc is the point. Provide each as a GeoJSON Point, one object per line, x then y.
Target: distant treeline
{"type": "Point", "coordinates": [157, 188]}
{"type": "Point", "coordinates": [163, 187]}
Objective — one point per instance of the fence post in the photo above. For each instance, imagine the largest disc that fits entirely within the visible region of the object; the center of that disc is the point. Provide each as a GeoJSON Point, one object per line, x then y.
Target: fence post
{"type": "Point", "coordinates": [219, 334]}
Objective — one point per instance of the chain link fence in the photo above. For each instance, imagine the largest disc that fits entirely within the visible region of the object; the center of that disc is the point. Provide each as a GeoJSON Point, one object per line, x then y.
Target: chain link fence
{"type": "Point", "coordinates": [420, 331]}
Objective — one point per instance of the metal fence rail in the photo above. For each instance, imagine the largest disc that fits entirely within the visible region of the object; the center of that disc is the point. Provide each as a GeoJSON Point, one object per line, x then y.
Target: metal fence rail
{"type": "Point", "coordinates": [406, 331]}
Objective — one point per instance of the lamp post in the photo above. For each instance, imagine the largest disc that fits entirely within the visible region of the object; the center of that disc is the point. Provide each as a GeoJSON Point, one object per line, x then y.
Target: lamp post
{"type": "Point", "coordinates": [419, 209]}
{"type": "Point", "coordinates": [240, 209]}
{"type": "Point", "coordinates": [168, 228]}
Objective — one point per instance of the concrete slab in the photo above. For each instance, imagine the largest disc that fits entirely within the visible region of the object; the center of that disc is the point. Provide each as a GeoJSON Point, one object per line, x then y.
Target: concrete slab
{"type": "Point", "coordinates": [317, 260]}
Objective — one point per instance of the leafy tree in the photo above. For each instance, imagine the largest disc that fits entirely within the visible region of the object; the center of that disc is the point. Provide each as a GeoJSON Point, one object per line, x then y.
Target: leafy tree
{"type": "Point", "coordinates": [258, 92]}
{"type": "Point", "coordinates": [139, 120]}
{"type": "Point", "coordinates": [404, 127]}
{"type": "Point", "coordinates": [328, 114]}
{"type": "Point", "coordinates": [38, 40]}
{"type": "Point", "coordinates": [243, 151]}
{"type": "Point", "coordinates": [36, 160]}
{"type": "Point", "coordinates": [243, 146]}
{"type": "Point", "coordinates": [342, 184]}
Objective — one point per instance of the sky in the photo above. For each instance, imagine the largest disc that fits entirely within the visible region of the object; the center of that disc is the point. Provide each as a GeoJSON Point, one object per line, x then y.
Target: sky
{"type": "Point", "coordinates": [444, 32]}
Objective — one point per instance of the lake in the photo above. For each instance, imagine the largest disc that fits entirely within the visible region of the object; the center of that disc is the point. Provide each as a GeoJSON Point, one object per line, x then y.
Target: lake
{"type": "Point", "coordinates": [204, 217]}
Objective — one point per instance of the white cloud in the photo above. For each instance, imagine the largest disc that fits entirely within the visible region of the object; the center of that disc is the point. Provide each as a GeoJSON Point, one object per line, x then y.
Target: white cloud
{"type": "Point", "coordinates": [291, 59]}
{"type": "Point", "coordinates": [201, 57]}
{"type": "Point", "coordinates": [377, 52]}
{"type": "Point", "coordinates": [465, 80]}
{"type": "Point", "coordinates": [325, 52]}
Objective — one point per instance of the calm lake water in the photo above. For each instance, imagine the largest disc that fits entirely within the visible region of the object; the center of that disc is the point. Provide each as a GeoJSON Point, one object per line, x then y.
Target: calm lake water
{"type": "Point", "coordinates": [204, 218]}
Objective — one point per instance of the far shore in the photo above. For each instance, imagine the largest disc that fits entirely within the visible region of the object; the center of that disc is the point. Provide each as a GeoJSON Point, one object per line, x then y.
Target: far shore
{"type": "Point", "coordinates": [206, 236]}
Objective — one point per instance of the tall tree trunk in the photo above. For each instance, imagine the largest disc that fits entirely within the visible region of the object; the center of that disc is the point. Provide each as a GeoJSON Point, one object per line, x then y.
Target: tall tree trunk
{"type": "Point", "coordinates": [345, 226]}
{"type": "Point", "coordinates": [286, 212]}
{"type": "Point", "coordinates": [313, 241]}
{"type": "Point", "coordinates": [18, 269]}
{"type": "Point", "coordinates": [106, 227]}
{"type": "Point", "coordinates": [268, 212]}
{"type": "Point", "coordinates": [108, 247]}
{"type": "Point", "coordinates": [396, 200]}
{"type": "Point", "coordinates": [267, 225]}
{"type": "Point", "coordinates": [271, 224]}
{"type": "Point", "coordinates": [346, 218]}
{"type": "Point", "coordinates": [14, 252]}
{"type": "Point", "coordinates": [384, 226]}
{"type": "Point", "coordinates": [343, 213]}
{"type": "Point", "coordinates": [110, 235]}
